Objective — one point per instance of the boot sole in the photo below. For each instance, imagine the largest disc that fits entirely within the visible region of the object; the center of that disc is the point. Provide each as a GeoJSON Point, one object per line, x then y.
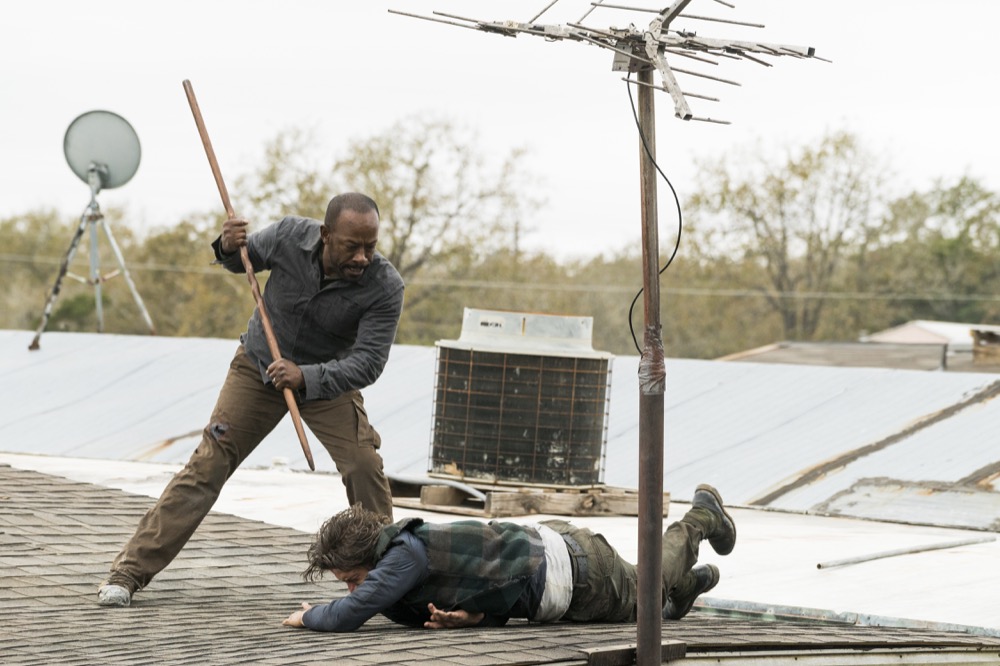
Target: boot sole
{"type": "Point", "coordinates": [680, 612]}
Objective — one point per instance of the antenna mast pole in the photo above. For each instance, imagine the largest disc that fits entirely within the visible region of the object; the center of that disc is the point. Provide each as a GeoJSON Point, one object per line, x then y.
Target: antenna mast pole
{"type": "Point", "coordinates": [652, 383]}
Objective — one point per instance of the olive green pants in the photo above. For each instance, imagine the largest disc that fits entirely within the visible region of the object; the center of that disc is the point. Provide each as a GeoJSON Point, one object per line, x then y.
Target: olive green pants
{"type": "Point", "coordinates": [609, 593]}
{"type": "Point", "coordinates": [246, 411]}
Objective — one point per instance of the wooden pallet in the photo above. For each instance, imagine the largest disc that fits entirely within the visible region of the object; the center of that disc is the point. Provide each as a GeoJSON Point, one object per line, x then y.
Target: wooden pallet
{"type": "Point", "coordinates": [503, 501]}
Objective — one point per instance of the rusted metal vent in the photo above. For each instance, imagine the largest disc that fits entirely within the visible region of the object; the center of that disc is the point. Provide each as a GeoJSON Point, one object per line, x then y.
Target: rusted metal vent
{"type": "Point", "coordinates": [521, 398]}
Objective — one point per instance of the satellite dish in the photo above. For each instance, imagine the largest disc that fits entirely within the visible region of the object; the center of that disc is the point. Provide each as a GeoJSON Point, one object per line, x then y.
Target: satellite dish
{"type": "Point", "coordinates": [104, 143]}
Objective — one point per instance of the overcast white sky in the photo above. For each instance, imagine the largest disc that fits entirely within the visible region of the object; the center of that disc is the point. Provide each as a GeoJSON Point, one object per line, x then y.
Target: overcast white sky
{"type": "Point", "coordinates": [914, 78]}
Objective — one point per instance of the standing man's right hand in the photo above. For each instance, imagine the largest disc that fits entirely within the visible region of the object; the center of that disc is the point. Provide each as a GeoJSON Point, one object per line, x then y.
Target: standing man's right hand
{"type": "Point", "coordinates": [234, 235]}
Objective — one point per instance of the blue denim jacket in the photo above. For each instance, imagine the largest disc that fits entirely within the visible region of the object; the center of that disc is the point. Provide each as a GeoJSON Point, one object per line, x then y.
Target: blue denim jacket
{"type": "Point", "coordinates": [339, 334]}
{"type": "Point", "coordinates": [403, 567]}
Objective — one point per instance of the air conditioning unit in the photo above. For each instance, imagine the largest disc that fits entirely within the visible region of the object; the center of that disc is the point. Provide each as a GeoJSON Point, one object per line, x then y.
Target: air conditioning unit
{"type": "Point", "coordinates": [521, 399]}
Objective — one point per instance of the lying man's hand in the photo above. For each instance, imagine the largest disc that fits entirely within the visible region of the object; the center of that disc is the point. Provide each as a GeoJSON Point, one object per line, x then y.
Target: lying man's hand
{"type": "Point", "coordinates": [451, 619]}
{"type": "Point", "coordinates": [295, 619]}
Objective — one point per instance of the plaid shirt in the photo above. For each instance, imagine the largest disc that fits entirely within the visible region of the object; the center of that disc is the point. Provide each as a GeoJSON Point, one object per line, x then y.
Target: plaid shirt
{"type": "Point", "coordinates": [471, 565]}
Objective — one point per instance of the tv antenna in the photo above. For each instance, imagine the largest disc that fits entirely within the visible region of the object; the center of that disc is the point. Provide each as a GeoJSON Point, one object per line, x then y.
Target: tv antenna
{"type": "Point", "coordinates": [643, 51]}
{"type": "Point", "coordinates": [102, 149]}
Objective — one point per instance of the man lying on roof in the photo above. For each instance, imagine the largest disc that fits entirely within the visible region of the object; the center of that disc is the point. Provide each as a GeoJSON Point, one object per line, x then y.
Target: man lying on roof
{"type": "Point", "coordinates": [474, 574]}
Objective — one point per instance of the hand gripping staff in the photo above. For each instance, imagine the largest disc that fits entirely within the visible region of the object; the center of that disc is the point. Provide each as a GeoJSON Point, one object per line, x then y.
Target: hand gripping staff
{"type": "Point", "coordinates": [272, 342]}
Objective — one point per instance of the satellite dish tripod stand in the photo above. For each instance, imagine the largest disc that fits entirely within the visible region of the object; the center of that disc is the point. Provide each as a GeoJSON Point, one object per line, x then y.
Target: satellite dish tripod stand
{"type": "Point", "coordinates": [92, 217]}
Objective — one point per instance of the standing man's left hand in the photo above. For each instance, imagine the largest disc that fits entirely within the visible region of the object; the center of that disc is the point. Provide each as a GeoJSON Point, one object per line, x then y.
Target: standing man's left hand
{"type": "Point", "coordinates": [295, 619]}
{"type": "Point", "coordinates": [285, 374]}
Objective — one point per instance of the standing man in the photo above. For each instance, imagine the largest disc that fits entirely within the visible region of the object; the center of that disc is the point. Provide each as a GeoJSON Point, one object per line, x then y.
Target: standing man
{"type": "Point", "coordinates": [474, 574]}
{"type": "Point", "coordinates": [334, 304]}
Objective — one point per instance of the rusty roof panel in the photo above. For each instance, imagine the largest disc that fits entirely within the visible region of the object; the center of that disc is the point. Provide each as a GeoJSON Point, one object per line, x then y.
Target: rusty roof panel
{"type": "Point", "coordinates": [912, 502]}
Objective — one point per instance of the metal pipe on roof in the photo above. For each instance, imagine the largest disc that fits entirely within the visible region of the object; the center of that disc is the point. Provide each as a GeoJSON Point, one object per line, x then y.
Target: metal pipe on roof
{"type": "Point", "coordinates": [903, 551]}
{"type": "Point", "coordinates": [471, 491]}
{"type": "Point", "coordinates": [778, 612]}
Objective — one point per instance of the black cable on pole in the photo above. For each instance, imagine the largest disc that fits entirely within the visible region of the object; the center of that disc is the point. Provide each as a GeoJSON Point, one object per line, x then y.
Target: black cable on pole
{"type": "Point", "coordinates": [677, 202]}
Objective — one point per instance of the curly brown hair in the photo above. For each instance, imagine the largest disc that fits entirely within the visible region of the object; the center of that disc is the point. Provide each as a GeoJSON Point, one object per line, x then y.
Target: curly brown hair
{"type": "Point", "coordinates": [345, 541]}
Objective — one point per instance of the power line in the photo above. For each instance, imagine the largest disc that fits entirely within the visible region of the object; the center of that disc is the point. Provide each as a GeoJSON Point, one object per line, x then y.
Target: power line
{"type": "Point", "coordinates": [151, 268]}
{"type": "Point", "coordinates": [507, 285]}
{"type": "Point", "coordinates": [700, 291]}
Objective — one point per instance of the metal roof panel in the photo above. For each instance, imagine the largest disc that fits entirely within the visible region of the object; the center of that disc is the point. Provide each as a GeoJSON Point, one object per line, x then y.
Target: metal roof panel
{"type": "Point", "coordinates": [750, 429]}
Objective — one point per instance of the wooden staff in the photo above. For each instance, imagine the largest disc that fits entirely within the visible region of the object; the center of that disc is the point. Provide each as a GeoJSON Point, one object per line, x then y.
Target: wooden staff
{"type": "Point", "coordinates": [272, 342]}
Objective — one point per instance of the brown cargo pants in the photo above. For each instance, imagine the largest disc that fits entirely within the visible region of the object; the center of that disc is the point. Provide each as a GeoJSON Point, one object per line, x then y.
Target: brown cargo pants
{"type": "Point", "coordinates": [245, 412]}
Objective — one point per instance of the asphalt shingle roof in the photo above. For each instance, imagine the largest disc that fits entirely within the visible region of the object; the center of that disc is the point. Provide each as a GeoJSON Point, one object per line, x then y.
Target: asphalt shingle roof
{"type": "Point", "coordinates": [222, 600]}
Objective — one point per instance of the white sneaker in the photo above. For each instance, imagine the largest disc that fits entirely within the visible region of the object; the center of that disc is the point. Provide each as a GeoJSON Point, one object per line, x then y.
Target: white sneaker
{"type": "Point", "coordinates": [113, 595]}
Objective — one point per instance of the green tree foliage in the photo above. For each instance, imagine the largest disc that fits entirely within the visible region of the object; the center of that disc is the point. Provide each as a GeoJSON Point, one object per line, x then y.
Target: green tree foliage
{"type": "Point", "coordinates": [192, 297]}
{"type": "Point", "coordinates": [35, 246]}
{"type": "Point", "coordinates": [32, 246]}
{"type": "Point", "coordinates": [945, 255]}
{"type": "Point", "coordinates": [799, 221]}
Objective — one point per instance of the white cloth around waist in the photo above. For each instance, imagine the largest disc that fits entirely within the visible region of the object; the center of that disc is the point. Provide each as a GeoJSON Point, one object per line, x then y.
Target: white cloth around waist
{"type": "Point", "coordinates": [558, 591]}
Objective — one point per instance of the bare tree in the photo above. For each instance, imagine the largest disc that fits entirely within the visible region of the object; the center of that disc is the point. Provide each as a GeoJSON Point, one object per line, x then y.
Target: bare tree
{"type": "Point", "coordinates": [293, 179]}
{"type": "Point", "coordinates": [440, 199]}
{"type": "Point", "coordinates": [439, 196]}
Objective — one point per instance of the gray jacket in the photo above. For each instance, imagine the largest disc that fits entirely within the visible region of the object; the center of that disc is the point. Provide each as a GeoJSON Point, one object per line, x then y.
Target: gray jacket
{"type": "Point", "coordinates": [339, 334]}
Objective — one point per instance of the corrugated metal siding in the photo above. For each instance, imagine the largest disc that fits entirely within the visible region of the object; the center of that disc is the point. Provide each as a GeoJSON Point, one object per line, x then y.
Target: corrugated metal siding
{"type": "Point", "coordinates": [748, 428]}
